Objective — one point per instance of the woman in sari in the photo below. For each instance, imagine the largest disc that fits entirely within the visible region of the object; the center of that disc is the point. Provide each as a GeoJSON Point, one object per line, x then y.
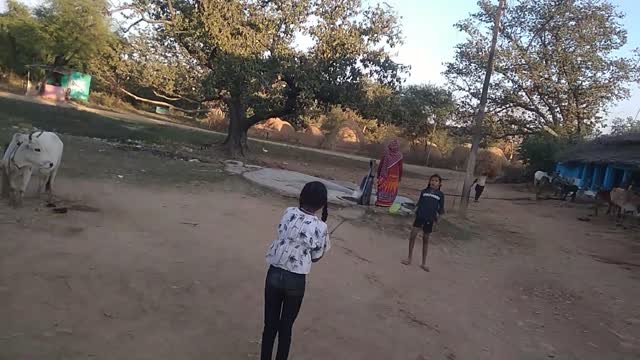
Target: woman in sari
{"type": "Point", "coordinates": [389, 175]}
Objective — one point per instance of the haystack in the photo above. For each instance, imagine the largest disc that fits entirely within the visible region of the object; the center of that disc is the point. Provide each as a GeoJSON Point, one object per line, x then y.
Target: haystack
{"type": "Point", "coordinates": [459, 155]}
{"type": "Point", "coordinates": [279, 129]}
{"type": "Point", "coordinates": [346, 136]}
{"type": "Point", "coordinates": [312, 136]}
{"type": "Point", "coordinates": [258, 132]}
{"type": "Point", "coordinates": [420, 156]}
{"type": "Point", "coordinates": [313, 130]}
{"type": "Point", "coordinates": [490, 162]}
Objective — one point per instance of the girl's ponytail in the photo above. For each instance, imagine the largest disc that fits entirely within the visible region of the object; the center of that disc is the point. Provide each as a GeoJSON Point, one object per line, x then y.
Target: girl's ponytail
{"type": "Point", "coordinates": [325, 211]}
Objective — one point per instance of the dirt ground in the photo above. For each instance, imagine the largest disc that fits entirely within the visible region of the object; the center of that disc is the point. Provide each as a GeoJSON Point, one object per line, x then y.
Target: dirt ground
{"type": "Point", "coordinates": [164, 259]}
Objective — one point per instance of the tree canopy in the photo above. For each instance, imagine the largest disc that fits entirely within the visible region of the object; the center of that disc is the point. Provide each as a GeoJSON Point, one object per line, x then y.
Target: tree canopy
{"type": "Point", "coordinates": [558, 65]}
{"type": "Point", "coordinates": [75, 30]}
{"type": "Point", "coordinates": [624, 125]}
{"type": "Point", "coordinates": [421, 108]}
{"type": "Point", "coordinates": [251, 60]}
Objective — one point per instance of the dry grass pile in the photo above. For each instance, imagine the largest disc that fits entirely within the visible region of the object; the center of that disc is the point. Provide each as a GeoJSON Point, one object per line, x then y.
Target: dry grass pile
{"type": "Point", "coordinates": [459, 156]}
{"type": "Point", "coordinates": [346, 136]}
{"type": "Point", "coordinates": [490, 162]}
{"type": "Point", "coordinates": [312, 136]}
{"type": "Point", "coordinates": [216, 120]}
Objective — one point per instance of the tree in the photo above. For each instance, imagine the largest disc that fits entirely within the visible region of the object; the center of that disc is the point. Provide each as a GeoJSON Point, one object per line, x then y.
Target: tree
{"type": "Point", "coordinates": [78, 30]}
{"type": "Point", "coordinates": [58, 32]}
{"type": "Point", "coordinates": [423, 108]}
{"type": "Point", "coordinates": [253, 64]}
{"type": "Point", "coordinates": [479, 117]}
{"type": "Point", "coordinates": [538, 151]}
{"type": "Point", "coordinates": [626, 125]}
{"type": "Point", "coordinates": [557, 66]}
{"type": "Point", "coordinates": [23, 39]}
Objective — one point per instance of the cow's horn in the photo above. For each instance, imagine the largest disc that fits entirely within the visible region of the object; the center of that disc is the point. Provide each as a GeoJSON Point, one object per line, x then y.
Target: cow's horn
{"type": "Point", "coordinates": [41, 131]}
{"type": "Point", "coordinates": [30, 136]}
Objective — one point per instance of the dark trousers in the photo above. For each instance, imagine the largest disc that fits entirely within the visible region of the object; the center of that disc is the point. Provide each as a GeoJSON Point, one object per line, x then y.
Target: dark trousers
{"type": "Point", "coordinates": [283, 293]}
{"type": "Point", "coordinates": [479, 190]}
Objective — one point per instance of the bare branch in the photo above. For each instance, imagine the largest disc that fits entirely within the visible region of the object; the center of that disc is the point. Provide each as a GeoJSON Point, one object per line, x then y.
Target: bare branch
{"type": "Point", "coordinates": [132, 25]}
{"type": "Point", "coordinates": [161, 103]}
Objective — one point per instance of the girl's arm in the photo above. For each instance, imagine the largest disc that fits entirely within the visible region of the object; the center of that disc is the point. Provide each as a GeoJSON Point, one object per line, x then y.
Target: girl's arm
{"type": "Point", "coordinates": [441, 206]}
{"type": "Point", "coordinates": [323, 246]}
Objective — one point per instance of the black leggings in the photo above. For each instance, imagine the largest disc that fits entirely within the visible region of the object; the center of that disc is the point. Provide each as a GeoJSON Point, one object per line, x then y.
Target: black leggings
{"type": "Point", "coordinates": [283, 293]}
{"type": "Point", "coordinates": [479, 190]}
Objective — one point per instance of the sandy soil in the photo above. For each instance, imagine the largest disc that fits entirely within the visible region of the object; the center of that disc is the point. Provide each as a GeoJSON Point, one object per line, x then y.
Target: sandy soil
{"type": "Point", "coordinates": [177, 272]}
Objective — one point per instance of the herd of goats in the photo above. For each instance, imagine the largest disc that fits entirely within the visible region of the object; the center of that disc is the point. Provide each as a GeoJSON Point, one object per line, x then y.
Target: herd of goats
{"type": "Point", "coordinates": [39, 154]}
{"type": "Point", "coordinates": [619, 201]}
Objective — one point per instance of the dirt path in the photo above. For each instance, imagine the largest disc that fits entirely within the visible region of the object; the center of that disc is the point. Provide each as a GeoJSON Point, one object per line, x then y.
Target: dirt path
{"type": "Point", "coordinates": [134, 279]}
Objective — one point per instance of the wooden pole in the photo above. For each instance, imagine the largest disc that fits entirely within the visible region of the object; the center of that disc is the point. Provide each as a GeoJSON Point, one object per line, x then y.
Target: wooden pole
{"type": "Point", "coordinates": [479, 118]}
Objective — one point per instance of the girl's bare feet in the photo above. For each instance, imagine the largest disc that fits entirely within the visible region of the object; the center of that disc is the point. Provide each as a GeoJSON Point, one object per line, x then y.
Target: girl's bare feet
{"type": "Point", "coordinates": [425, 268]}
{"type": "Point", "coordinates": [406, 262]}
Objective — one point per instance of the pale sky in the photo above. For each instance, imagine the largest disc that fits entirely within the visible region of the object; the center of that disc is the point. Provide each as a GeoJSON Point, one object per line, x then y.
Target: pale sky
{"type": "Point", "coordinates": [430, 38]}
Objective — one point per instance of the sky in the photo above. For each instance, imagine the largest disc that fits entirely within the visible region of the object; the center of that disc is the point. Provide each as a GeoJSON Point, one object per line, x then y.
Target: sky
{"type": "Point", "coordinates": [430, 39]}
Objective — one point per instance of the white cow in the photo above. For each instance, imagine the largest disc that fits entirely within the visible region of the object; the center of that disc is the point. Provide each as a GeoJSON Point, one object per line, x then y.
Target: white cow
{"type": "Point", "coordinates": [624, 201]}
{"type": "Point", "coordinates": [539, 175]}
{"type": "Point", "coordinates": [38, 153]}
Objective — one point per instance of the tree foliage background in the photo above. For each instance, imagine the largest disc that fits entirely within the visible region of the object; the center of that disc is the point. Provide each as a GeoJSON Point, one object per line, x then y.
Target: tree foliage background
{"type": "Point", "coordinates": [558, 67]}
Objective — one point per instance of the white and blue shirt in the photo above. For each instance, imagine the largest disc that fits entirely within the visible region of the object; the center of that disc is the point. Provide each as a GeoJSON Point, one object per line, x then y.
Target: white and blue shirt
{"type": "Point", "coordinates": [301, 239]}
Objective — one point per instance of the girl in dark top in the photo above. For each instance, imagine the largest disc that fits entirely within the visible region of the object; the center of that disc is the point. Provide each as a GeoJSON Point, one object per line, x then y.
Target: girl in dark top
{"type": "Point", "coordinates": [430, 205]}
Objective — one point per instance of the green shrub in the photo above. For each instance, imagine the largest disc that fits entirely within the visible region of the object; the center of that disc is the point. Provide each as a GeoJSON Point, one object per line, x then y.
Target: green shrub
{"type": "Point", "coordinates": [539, 151]}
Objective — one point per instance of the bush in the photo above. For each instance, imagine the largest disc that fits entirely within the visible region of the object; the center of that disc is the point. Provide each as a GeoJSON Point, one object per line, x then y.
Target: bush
{"type": "Point", "coordinates": [539, 151]}
{"type": "Point", "coordinates": [336, 116]}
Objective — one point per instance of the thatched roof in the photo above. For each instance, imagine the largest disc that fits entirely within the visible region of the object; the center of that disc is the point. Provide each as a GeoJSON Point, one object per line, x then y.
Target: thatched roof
{"type": "Point", "coordinates": [618, 149]}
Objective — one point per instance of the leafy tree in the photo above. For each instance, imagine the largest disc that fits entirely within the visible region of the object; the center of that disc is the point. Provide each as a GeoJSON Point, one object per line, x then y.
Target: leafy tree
{"type": "Point", "coordinates": [58, 32]}
{"type": "Point", "coordinates": [538, 151]}
{"type": "Point", "coordinates": [626, 125]}
{"type": "Point", "coordinates": [557, 65]}
{"type": "Point", "coordinates": [78, 30]}
{"type": "Point", "coordinates": [253, 65]}
{"type": "Point", "coordinates": [423, 107]}
{"type": "Point", "coordinates": [23, 39]}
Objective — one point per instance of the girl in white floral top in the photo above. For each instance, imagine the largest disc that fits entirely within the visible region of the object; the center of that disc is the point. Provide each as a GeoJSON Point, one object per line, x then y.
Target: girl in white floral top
{"type": "Point", "coordinates": [302, 239]}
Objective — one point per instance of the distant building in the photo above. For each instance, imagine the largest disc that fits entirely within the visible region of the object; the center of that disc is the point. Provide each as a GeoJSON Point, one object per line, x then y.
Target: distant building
{"type": "Point", "coordinates": [604, 163]}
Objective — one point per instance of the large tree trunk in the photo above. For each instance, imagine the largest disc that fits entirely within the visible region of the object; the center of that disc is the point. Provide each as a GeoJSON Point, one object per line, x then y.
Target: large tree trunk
{"type": "Point", "coordinates": [477, 129]}
{"type": "Point", "coordinates": [236, 142]}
